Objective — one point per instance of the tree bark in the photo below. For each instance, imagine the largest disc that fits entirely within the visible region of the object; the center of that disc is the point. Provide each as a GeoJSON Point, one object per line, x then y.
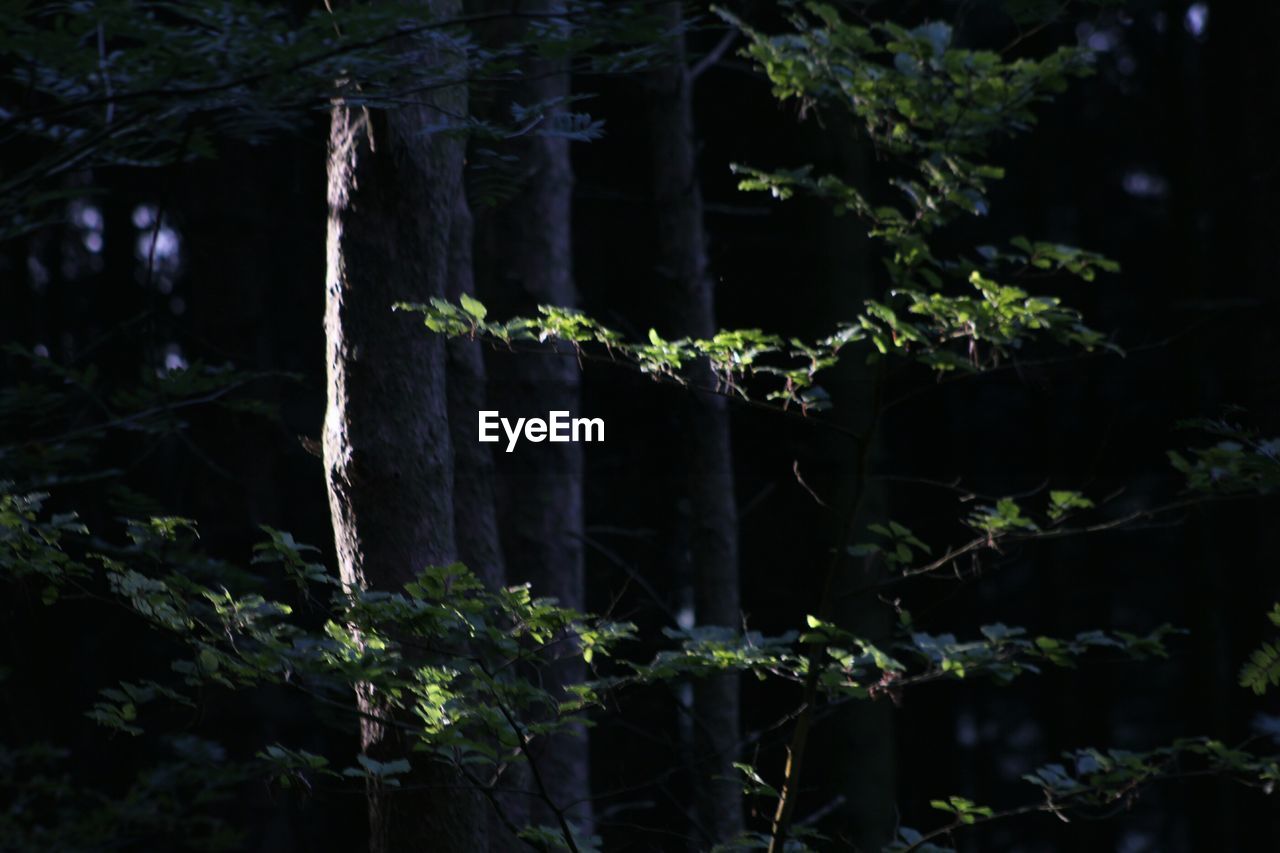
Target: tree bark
{"type": "Point", "coordinates": [682, 267]}
{"type": "Point", "coordinates": [524, 258]}
{"type": "Point", "coordinates": [474, 476]}
{"type": "Point", "coordinates": [861, 743]}
{"type": "Point", "coordinates": [393, 196]}
{"type": "Point", "coordinates": [475, 514]}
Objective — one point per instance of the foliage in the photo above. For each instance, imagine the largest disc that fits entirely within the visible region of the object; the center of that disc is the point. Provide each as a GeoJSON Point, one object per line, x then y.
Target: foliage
{"type": "Point", "coordinates": [857, 668]}
{"type": "Point", "coordinates": [171, 805]}
{"type": "Point", "coordinates": [455, 665]}
{"type": "Point", "coordinates": [786, 368]}
{"type": "Point", "coordinates": [447, 657]}
{"type": "Point", "coordinates": [1243, 462]}
{"type": "Point", "coordinates": [1092, 781]}
{"type": "Point", "coordinates": [932, 111]}
{"type": "Point", "coordinates": [450, 657]}
{"type": "Point", "coordinates": [66, 410]}
{"type": "Point", "coordinates": [145, 83]}
{"type": "Point", "coordinates": [1262, 670]}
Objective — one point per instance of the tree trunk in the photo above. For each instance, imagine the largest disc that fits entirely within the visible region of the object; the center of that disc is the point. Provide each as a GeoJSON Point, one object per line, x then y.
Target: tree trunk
{"type": "Point", "coordinates": [524, 259]}
{"type": "Point", "coordinates": [393, 195]}
{"type": "Point", "coordinates": [474, 507]}
{"type": "Point", "coordinates": [682, 266]}
{"type": "Point", "coordinates": [475, 515]}
{"type": "Point", "coordinates": [861, 741]}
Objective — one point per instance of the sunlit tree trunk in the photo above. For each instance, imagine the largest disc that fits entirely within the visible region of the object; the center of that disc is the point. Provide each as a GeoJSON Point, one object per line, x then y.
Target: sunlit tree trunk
{"type": "Point", "coordinates": [690, 296]}
{"type": "Point", "coordinates": [393, 196]}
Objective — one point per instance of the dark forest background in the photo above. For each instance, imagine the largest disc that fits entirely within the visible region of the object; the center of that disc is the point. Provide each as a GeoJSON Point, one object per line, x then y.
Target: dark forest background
{"type": "Point", "coordinates": [1165, 160]}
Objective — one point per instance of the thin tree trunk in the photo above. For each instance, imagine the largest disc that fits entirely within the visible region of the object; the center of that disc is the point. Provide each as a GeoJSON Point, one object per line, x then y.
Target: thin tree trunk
{"type": "Point", "coordinates": [393, 193]}
{"type": "Point", "coordinates": [475, 514]}
{"type": "Point", "coordinates": [524, 258]}
{"type": "Point", "coordinates": [682, 264]}
{"type": "Point", "coordinates": [474, 507]}
{"type": "Point", "coordinates": [861, 741]}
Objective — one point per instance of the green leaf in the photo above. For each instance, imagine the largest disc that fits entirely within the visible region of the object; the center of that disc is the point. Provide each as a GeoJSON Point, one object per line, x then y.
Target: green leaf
{"type": "Point", "coordinates": [473, 306]}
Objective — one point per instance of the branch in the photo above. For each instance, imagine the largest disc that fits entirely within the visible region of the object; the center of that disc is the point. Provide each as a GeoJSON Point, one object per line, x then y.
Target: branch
{"type": "Point", "coordinates": [126, 420]}
{"type": "Point", "coordinates": [715, 55]}
{"type": "Point", "coordinates": [583, 355]}
{"type": "Point", "coordinates": [523, 740]}
{"type": "Point", "coordinates": [1056, 807]}
{"type": "Point", "coordinates": [978, 543]}
{"type": "Point", "coordinates": [284, 70]}
{"type": "Point", "coordinates": [800, 737]}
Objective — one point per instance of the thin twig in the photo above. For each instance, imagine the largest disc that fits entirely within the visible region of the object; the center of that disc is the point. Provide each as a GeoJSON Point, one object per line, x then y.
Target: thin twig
{"type": "Point", "coordinates": [714, 55]}
{"type": "Point", "coordinates": [817, 650]}
{"type": "Point", "coordinates": [522, 739]}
